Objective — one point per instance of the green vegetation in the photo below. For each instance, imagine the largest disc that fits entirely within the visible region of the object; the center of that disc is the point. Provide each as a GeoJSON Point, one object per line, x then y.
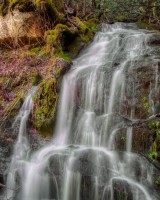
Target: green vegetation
{"type": "Point", "coordinates": [153, 155]}
{"type": "Point", "coordinates": [21, 5]}
{"type": "Point", "coordinates": [3, 8]}
{"type": "Point", "coordinates": [46, 100]}
{"type": "Point", "coordinates": [147, 26]}
{"type": "Point", "coordinates": [13, 108]}
{"type": "Point", "coordinates": [146, 105]}
{"type": "Point", "coordinates": [59, 37]}
{"type": "Point", "coordinates": [154, 126]}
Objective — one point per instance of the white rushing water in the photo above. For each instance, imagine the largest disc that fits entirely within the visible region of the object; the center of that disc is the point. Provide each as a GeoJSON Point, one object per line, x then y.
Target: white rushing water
{"type": "Point", "coordinates": [22, 147]}
{"type": "Point", "coordinates": [83, 161]}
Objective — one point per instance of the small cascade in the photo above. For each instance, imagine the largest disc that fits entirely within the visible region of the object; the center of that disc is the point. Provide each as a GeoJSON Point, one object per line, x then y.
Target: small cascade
{"type": "Point", "coordinates": [93, 154]}
{"type": "Point", "coordinates": [22, 147]}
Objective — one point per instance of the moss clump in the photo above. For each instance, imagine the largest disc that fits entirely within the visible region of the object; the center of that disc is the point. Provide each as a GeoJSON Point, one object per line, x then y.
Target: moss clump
{"type": "Point", "coordinates": [66, 56]}
{"type": "Point", "coordinates": [59, 37]}
{"type": "Point", "coordinates": [86, 29]}
{"type": "Point", "coordinates": [46, 100]}
{"type": "Point", "coordinates": [82, 26]}
{"type": "Point", "coordinates": [153, 155]}
{"type": "Point", "coordinates": [36, 78]}
{"type": "Point", "coordinates": [92, 24]}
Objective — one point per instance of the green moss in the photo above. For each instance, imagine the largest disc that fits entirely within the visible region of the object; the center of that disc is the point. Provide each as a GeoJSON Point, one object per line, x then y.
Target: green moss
{"type": "Point", "coordinates": [46, 100]}
{"type": "Point", "coordinates": [3, 8]}
{"type": "Point", "coordinates": [146, 105]}
{"type": "Point", "coordinates": [36, 49]}
{"type": "Point", "coordinates": [153, 155]}
{"type": "Point", "coordinates": [59, 37]}
{"type": "Point", "coordinates": [21, 5]}
{"type": "Point", "coordinates": [36, 78]}
{"type": "Point", "coordinates": [48, 6]}
{"type": "Point", "coordinates": [93, 24]}
{"type": "Point", "coordinates": [154, 125]}
{"type": "Point", "coordinates": [65, 56]}
{"type": "Point", "coordinates": [86, 29]}
{"type": "Point", "coordinates": [13, 108]}
{"type": "Point", "coordinates": [147, 26]}
{"type": "Point", "coordinates": [120, 18]}
{"type": "Point", "coordinates": [43, 6]}
{"type": "Point", "coordinates": [82, 26]}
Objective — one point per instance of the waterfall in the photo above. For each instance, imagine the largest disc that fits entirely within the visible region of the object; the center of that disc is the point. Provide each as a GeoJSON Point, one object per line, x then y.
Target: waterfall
{"type": "Point", "coordinates": [83, 160]}
{"type": "Point", "coordinates": [22, 147]}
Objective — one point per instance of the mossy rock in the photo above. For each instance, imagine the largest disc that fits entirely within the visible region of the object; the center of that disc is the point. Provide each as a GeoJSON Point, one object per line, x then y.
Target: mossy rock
{"type": "Point", "coordinates": [45, 106]}
{"type": "Point", "coordinates": [60, 67]}
{"type": "Point", "coordinates": [60, 37]}
{"type": "Point", "coordinates": [75, 47]}
{"type": "Point", "coordinates": [86, 29]}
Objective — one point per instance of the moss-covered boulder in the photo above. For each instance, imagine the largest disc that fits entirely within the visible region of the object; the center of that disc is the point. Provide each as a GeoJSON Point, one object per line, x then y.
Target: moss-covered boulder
{"type": "Point", "coordinates": [64, 38]}
{"type": "Point", "coordinates": [46, 100]}
{"type": "Point", "coordinates": [60, 37]}
{"type": "Point", "coordinates": [61, 66]}
{"type": "Point", "coordinates": [47, 96]}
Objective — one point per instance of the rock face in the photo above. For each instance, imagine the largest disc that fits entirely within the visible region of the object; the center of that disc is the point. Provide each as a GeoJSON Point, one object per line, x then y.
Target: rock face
{"type": "Point", "coordinates": [19, 28]}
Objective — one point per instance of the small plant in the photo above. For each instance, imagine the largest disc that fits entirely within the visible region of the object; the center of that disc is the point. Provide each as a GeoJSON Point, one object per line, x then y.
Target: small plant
{"type": "Point", "coordinates": [157, 182]}
{"type": "Point", "coordinates": [154, 125]}
{"type": "Point", "coordinates": [123, 139]}
{"type": "Point", "coordinates": [146, 105]}
{"type": "Point", "coordinates": [153, 155]}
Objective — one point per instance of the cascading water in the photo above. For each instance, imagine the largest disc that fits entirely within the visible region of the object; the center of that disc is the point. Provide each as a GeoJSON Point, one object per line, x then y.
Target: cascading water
{"type": "Point", "coordinates": [83, 160]}
{"type": "Point", "coordinates": [22, 147]}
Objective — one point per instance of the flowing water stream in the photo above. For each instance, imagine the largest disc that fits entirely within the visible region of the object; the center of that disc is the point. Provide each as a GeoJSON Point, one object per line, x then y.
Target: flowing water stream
{"type": "Point", "coordinates": [83, 161]}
